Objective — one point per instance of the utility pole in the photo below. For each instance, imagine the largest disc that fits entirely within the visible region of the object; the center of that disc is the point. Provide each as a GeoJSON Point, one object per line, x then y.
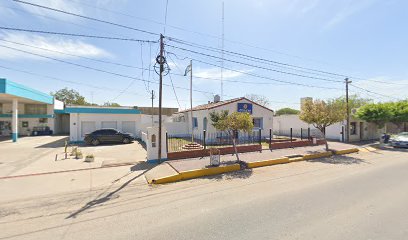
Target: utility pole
{"type": "Point", "coordinates": [348, 110]}
{"type": "Point", "coordinates": [222, 53]}
{"type": "Point", "coordinates": [191, 100]}
{"type": "Point", "coordinates": [152, 97]}
{"type": "Point", "coordinates": [161, 61]}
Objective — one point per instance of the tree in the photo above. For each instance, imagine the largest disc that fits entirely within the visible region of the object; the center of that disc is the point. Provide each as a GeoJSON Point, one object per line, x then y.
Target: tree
{"type": "Point", "coordinates": [261, 100]}
{"type": "Point", "coordinates": [289, 111]}
{"type": "Point", "coordinates": [232, 124]}
{"type": "Point", "coordinates": [399, 113]}
{"type": "Point", "coordinates": [322, 114]}
{"type": "Point", "coordinates": [70, 96]}
{"type": "Point", "coordinates": [378, 113]}
{"type": "Point", "coordinates": [109, 104]}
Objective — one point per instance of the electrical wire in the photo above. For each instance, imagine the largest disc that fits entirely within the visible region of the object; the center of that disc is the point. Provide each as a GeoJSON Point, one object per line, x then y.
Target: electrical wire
{"type": "Point", "coordinates": [255, 66]}
{"type": "Point", "coordinates": [75, 35]}
{"type": "Point", "coordinates": [86, 17]}
{"type": "Point", "coordinates": [369, 91]}
{"type": "Point", "coordinates": [174, 91]}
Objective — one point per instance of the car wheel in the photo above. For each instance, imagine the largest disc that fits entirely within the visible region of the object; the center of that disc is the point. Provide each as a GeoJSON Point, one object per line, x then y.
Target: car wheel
{"type": "Point", "coordinates": [126, 140]}
{"type": "Point", "coordinates": [95, 142]}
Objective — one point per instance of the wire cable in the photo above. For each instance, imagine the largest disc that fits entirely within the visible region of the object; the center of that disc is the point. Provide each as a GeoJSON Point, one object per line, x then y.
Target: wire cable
{"type": "Point", "coordinates": [76, 35]}
{"type": "Point", "coordinates": [86, 17]}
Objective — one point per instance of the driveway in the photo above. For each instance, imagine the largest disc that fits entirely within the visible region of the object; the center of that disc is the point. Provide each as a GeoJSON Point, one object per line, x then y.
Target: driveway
{"type": "Point", "coordinates": [32, 155]}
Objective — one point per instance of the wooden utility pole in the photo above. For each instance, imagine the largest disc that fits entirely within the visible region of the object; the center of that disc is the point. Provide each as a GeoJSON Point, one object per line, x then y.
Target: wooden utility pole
{"type": "Point", "coordinates": [161, 61]}
{"type": "Point", "coordinates": [348, 111]}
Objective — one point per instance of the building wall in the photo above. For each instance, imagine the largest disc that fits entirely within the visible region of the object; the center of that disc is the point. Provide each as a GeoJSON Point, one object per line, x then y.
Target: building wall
{"type": "Point", "coordinates": [257, 112]}
{"type": "Point", "coordinates": [76, 120]}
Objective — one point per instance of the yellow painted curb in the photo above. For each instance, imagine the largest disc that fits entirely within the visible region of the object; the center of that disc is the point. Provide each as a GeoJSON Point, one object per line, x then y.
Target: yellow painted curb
{"type": "Point", "coordinates": [346, 151]}
{"type": "Point", "coordinates": [268, 162]}
{"type": "Point", "coordinates": [317, 155]}
{"type": "Point", "coordinates": [296, 159]}
{"type": "Point", "coordinates": [209, 171]}
{"type": "Point", "coordinates": [168, 179]}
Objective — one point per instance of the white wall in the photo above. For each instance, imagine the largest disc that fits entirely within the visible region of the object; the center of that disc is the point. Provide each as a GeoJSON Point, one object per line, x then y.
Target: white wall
{"type": "Point", "coordinates": [77, 118]}
{"type": "Point", "coordinates": [257, 112]}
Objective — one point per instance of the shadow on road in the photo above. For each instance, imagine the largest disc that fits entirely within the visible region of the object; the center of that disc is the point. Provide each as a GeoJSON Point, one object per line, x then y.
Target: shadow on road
{"type": "Point", "coordinates": [104, 197]}
{"type": "Point", "coordinates": [339, 159]}
{"type": "Point", "coordinates": [55, 144]}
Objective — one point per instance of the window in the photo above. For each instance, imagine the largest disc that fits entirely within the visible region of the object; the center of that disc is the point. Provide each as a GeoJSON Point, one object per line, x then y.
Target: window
{"type": "Point", "coordinates": [153, 140]}
{"type": "Point", "coordinates": [35, 109]}
{"type": "Point", "coordinates": [353, 128]}
{"type": "Point", "coordinates": [258, 122]}
{"type": "Point", "coordinates": [25, 124]}
{"type": "Point", "coordinates": [195, 122]}
{"type": "Point", "coordinates": [43, 120]}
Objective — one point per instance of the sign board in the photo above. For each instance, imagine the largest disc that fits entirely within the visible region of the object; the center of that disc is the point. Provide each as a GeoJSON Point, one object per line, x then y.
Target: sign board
{"type": "Point", "coordinates": [245, 107]}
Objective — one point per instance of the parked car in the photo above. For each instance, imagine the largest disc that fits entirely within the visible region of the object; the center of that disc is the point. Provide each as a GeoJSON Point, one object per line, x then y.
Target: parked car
{"type": "Point", "coordinates": [400, 140]}
{"type": "Point", "coordinates": [41, 131]}
{"type": "Point", "coordinates": [107, 135]}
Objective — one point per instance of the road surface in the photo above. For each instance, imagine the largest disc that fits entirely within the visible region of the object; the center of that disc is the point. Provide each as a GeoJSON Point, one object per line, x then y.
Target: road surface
{"type": "Point", "coordinates": [359, 196]}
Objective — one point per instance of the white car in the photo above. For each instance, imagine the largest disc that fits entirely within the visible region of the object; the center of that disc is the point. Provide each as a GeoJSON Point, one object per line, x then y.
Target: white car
{"type": "Point", "coordinates": [400, 140]}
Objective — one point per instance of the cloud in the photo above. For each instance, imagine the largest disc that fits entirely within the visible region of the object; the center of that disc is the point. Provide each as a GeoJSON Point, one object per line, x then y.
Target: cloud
{"type": "Point", "coordinates": [57, 4]}
{"type": "Point", "coordinates": [75, 47]}
{"type": "Point", "coordinates": [347, 11]}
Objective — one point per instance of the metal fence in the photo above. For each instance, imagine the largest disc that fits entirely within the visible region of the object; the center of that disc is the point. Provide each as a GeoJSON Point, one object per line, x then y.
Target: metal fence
{"type": "Point", "coordinates": [204, 140]}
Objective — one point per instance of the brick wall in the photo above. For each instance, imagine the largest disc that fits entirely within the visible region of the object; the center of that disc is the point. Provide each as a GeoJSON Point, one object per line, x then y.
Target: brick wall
{"type": "Point", "coordinates": [203, 153]}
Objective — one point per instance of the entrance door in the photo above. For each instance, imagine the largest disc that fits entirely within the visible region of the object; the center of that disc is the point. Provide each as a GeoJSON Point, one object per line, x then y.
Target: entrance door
{"type": "Point", "coordinates": [109, 124]}
{"type": "Point", "coordinates": [87, 127]}
{"type": "Point", "coordinates": [361, 131]}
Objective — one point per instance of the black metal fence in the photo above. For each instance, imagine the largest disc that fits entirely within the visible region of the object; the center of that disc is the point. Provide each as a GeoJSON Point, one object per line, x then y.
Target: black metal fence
{"type": "Point", "coordinates": [204, 140]}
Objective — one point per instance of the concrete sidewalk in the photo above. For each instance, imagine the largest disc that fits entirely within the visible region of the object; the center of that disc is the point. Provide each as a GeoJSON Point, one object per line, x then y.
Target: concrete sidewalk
{"type": "Point", "coordinates": [176, 166]}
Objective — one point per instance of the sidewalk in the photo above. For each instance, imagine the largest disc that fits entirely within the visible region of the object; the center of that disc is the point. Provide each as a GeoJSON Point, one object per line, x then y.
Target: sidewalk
{"type": "Point", "coordinates": [175, 166]}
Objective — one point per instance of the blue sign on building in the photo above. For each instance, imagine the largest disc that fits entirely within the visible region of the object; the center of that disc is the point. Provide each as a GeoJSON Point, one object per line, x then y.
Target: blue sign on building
{"type": "Point", "coordinates": [245, 107]}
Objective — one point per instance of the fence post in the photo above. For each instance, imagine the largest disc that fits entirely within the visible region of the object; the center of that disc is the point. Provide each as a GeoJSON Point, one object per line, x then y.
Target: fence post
{"type": "Point", "coordinates": [270, 138]}
{"type": "Point", "coordinates": [308, 134]}
{"type": "Point", "coordinates": [301, 133]}
{"type": "Point", "coordinates": [167, 143]}
{"type": "Point", "coordinates": [260, 137]}
{"type": "Point", "coordinates": [342, 133]}
{"type": "Point", "coordinates": [204, 133]}
{"type": "Point", "coordinates": [291, 131]}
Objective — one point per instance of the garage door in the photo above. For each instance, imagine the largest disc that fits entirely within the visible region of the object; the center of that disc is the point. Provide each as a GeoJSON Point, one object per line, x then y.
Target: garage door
{"type": "Point", "coordinates": [109, 124]}
{"type": "Point", "coordinates": [129, 127]}
{"type": "Point", "coordinates": [87, 127]}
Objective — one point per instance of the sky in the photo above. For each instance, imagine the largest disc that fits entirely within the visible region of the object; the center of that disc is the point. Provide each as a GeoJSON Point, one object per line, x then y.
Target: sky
{"type": "Point", "coordinates": [364, 40]}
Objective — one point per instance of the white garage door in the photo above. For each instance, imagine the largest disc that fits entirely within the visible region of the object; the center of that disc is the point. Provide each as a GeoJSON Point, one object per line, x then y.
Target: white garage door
{"type": "Point", "coordinates": [87, 127]}
{"type": "Point", "coordinates": [129, 127]}
{"type": "Point", "coordinates": [109, 124]}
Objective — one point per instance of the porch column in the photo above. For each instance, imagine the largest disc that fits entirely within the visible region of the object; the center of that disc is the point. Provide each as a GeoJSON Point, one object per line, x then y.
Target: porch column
{"type": "Point", "coordinates": [14, 121]}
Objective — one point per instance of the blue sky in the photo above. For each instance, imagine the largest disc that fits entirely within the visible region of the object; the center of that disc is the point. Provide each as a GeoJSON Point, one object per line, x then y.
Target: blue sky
{"type": "Point", "coordinates": [364, 39]}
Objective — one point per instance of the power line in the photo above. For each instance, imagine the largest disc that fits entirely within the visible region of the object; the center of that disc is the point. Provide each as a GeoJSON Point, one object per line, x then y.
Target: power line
{"type": "Point", "coordinates": [75, 35]}
{"type": "Point", "coordinates": [86, 17]}
{"type": "Point", "coordinates": [94, 69]}
{"type": "Point", "coordinates": [369, 91]}
{"type": "Point", "coordinates": [255, 66]}
{"type": "Point", "coordinates": [174, 91]}
{"type": "Point", "coordinates": [264, 77]}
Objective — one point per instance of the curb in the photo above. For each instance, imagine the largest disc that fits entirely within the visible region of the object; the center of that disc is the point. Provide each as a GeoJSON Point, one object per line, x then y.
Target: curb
{"type": "Point", "coordinates": [346, 151]}
{"type": "Point", "coordinates": [236, 167]}
{"type": "Point", "coordinates": [196, 174]}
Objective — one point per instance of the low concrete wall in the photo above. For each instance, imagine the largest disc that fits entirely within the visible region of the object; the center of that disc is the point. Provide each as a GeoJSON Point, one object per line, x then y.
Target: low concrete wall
{"type": "Point", "coordinates": [204, 153]}
{"type": "Point", "coordinates": [302, 143]}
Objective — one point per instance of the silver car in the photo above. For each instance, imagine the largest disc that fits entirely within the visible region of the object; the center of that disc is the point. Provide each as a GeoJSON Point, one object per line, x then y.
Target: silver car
{"type": "Point", "coordinates": [400, 140]}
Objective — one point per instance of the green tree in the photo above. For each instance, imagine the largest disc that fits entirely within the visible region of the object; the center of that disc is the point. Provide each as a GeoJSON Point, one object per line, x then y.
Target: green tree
{"type": "Point", "coordinates": [232, 124]}
{"type": "Point", "coordinates": [399, 113]}
{"type": "Point", "coordinates": [378, 113]}
{"type": "Point", "coordinates": [110, 104]}
{"type": "Point", "coordinates": [70, 96]}
{"type": "Point", "coordinates": [287, 111]}
{"type": "Point", "coordinates": [322, 114]}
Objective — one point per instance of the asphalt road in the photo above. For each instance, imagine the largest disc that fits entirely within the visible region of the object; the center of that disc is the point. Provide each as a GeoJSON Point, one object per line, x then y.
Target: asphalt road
{"type": "Point", "coordinates": [361, 196]}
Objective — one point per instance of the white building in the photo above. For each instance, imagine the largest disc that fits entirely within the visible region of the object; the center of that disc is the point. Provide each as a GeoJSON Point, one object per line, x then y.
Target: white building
{"type": "Point", "coordinates": [184, 124]}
